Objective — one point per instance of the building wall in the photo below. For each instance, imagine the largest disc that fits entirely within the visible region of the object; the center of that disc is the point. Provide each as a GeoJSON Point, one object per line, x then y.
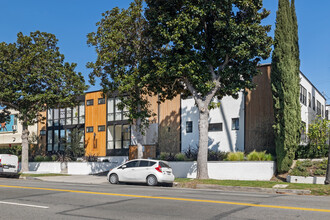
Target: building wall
{"type": "Point", "coordinates": [226, 139]}
{"type": "Point", "coordinates": [259, 114]}
{"type": "Point", "coordinates": [308, 108]}
{"type": "Point", "coordinates": [95, 116]}
{"type": "Point", "coordinates": [14, 137]}
{"type": "Point", "coordinates": [327, 115]}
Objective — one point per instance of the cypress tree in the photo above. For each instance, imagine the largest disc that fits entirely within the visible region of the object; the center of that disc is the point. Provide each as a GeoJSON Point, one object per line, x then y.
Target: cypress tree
{"type": "Point", "coordinates": [285, 85]}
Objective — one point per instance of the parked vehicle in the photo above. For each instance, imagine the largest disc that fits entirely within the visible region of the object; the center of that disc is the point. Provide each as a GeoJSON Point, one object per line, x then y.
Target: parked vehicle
{"type": "Point", "coordinates": [147, 171]}
{"type": "Point", "coordinates": [8, 164]}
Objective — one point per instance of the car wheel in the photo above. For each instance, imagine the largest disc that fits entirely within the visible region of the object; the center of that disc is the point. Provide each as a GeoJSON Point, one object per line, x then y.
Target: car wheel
{"type": "Point", "coordinates": [152, 180]}
{"type": "Point", "coordinates": [113, 179]}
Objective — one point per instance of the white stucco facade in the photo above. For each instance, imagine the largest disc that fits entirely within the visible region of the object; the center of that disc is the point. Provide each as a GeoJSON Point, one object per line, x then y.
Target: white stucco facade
{"type": "Point", "coordinates": [224, 136]}
{"type": "Point", "coordinates": [312, 102]}
{"type": "Point", "coordinates": [12, 135]}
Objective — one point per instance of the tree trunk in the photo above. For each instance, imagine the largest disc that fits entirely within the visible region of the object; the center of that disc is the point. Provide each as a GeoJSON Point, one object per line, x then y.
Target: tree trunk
{"type": "Point", "coordinates": [25, 148]}
{"type": "Point", "coordinates": [202, 171]}
{"type": "Point", "coordinates": [139, 136]}
{"type": "Point", "coordinates": [327, 178]}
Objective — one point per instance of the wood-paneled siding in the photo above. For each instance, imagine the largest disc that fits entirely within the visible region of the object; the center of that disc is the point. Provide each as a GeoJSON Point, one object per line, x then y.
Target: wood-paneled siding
{"type": "Point", "coordinates": [42, 126]}
{"type": "Point", "coordinates": [169, 126]}
{"type": "Point", "coordinates": [259, 114]}
{"type": "Point", "coordinates": [95, 116]}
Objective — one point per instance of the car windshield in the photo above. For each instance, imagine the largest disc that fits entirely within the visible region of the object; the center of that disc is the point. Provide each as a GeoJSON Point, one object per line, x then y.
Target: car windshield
{"type": "Point", "coordinates": [162, 164]}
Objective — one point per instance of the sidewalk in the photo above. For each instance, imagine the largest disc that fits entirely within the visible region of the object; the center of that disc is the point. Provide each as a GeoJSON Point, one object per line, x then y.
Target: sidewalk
{"type": "Point", "coordinates": [102, 179]}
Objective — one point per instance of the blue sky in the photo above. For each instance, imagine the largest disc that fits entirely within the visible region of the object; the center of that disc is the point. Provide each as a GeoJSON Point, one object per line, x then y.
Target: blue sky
{"type": "Point", "coordinates": [72, 20]}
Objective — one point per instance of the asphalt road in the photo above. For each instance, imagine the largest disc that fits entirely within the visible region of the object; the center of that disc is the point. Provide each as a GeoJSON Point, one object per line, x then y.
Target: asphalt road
{"type": "Point", "coordinates": [35, 199]}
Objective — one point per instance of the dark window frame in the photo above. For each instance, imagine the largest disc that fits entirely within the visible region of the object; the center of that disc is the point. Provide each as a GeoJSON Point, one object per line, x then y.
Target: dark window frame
{"type": "Point", "coordinates": [101, 128]}
{"type": "Point", "coordinates": [88, 129]}
{"type": "Point", "coordinates": [215, 127]}
{"type": "Point", "coordinates": [189, 127]}
{"type": "Point", "coordinates": [234, 125]}
{"type": "Point", "coordinates": [101, 101]}
{"type": "Point", "coordinates": [89, 102]}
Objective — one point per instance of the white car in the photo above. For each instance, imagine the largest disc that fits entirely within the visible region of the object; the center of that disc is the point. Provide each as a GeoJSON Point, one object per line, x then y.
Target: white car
{"type": "Point", "coordinates": [147, 171]}
{"type": "Point", "coordinates": [8, 164]}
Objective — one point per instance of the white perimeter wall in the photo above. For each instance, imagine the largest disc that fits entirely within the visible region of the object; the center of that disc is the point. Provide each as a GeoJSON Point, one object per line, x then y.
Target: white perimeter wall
{"type": "Point", "coordinates": [227, 170]}
{"type": "Point", "coordinates": [226, 140]}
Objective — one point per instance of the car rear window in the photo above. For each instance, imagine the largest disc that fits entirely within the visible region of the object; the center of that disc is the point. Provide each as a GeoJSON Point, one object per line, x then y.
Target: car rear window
{"type": "Point", "coordinates": [162, 164]}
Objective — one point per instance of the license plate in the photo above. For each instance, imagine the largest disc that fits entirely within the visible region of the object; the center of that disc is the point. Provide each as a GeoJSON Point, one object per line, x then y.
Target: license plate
{"type": "Point", "coordinates": [5, 167]}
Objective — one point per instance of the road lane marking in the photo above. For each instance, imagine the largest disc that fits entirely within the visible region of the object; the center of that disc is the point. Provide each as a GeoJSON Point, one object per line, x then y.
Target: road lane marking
{"type": "Point", "coordinates": [172, 198]}
{"type": "Point", "coordinates": [22, 204]}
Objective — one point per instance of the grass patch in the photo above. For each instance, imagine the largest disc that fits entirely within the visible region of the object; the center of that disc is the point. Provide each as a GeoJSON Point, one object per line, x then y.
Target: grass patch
{"type": "Point", "coordinates": [42, 174]}
{"type": "Point", "coordinates": [315, 189]}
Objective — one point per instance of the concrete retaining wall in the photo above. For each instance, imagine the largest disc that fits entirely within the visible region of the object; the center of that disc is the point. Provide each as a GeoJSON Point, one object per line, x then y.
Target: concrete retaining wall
{"type": "Point", "coordinates": [308, 179]}
{"type": "Point", "coordinates": [228, 170]}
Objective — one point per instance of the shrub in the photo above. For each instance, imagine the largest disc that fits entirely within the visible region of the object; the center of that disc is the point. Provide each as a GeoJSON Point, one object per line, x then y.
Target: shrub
{"type": "Point", "coordinates": [191, 153]}
{"type": "Point", "coordinates": [312, 151]}
{"type": "Point", "coordinates": [306, 163]}
{"type": "Point", "coordinates": [235, 156]}
{"type": "Point", "coordinates": [299, 170]}
{"type": "Point", "coordinates": [179, 157]}
{"type": "Point", "coordinates": [259, 156]}
{"type": "Point", "coordinates": [320, 172]}
{"type": "Point", "coordinates": [38, 158]}
{"type": "Point", "coordinates": [54, 157]}
{"type": "Point", "coordinates": [47, 158]}
{"type": "Point", "coordinates": [216, 155]}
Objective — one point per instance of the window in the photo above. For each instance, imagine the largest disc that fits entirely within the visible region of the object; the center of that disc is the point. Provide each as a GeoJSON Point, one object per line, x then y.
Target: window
{"type": "Point", "coordinates": [62, 116]}
{"type": "Point", "coordinates": [82, 113]}
{"type": "Point", "coordinates": [90, 102]}
{"type": "Point", "coordinates": [56, 117]}
{"type": "Point", "coordinates": [318, 108]}
{"type": "Point", "coordinates": [43, 132]}
{"type": "Point", "coordinates": [132, 164]}
{"type": "Point", "coordinates": [144, 163]}
{"type": "Point", "coordinates": [235, 124]}
{"type": "Point", "coordinates": [215, 127]}
{"type": "Point", "coordinates": [68, 116]}
{"type": "Point", "coordinates": [89, 129]}
{"type": "Point", "coordinates": [119, 137]}
{"type": "Point", "coordinates": [101, 128]}
{"type": "Point", "coordinates": [189, 127]}
{"type": "Point", "coordinates": [313, 103]}
{"type": "Point", "coordinates": [303, 136]}
{"type": "Point", "coordinates": [309, 100]}
{"type": "Point", "coordinates": [114, 113]}
{"type": "Point", "coordinates": [322, 111]}
{"type": "Point", "coordinates": [50, 140]}
{"type": "Point", "coordinates": [50, 117]}
{"type": "Point", "coordinates": [327, 114]}
{"type": "Point", "coordinates": [303, 95]}
{"type": "Point", "coordinates": [101, 101]}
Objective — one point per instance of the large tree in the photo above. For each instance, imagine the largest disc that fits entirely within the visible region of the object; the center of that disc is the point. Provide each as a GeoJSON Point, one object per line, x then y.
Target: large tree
{"type": "Point", "coordinates": [210, 48]}
{"type": "Point", "coordinates": [285, 81]}
{"type": "Point", "coordinates": [121, 46]}
{"type": "Point", "coordinates": [34, 76]}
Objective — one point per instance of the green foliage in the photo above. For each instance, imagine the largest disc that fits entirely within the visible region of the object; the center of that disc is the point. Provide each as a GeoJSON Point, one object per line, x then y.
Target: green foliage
{"type": "Point", "coordinates": [320, 172]}
{"type": "Point", "coordinates": [205, 49]}
{"type": "Point", "coordinates": [216, 155]}
{"type": "Point", "coordinates": [121, 45]}
{"type": "Point", "coordinates": [318, 134]}
{"type": "Point", "coordinates": [299, 170]}
{"type": "Point", "coordinates": [309, 168]}
{"type": "Point", "coordinates": [179, 157]}
{"type": "Point", "coordinates": [235, 156]}
{"type": "Point", "coordinates": [47, 158]}
{"type": "Point", "coordinates": [74, 148]}
{"type": "Point", "coordinates": [306, 163]}
{"type": "Point", "coordinates": [259, 156]}
{"type": "Point", "coordinates": [15, 150]}
{"type": "Point", "coordinates": [39, 158]}
{"type": "Point", "coordinates": [33, 77]}
{"type": "Point", "coordinates": [285, 82]}
{"type": "Point", "coordinates": [54, 157]}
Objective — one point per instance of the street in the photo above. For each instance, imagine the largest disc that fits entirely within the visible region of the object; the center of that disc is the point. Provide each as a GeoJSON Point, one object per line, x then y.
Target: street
{"type": "Point", "coordinates": [35, 199]}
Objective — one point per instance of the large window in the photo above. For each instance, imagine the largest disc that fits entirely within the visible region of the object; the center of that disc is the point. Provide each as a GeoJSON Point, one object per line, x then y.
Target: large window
{"type": "Point", "coordinates": [118, 137]}
{"type": "Point", "coordinates": [318, 108]}
{"type": "Point", "coordinates": [66, 116]}
{"type": "Point", "coordinates": [303, 95]}
{"type": "Point", "coordinates": [309, 100]}
{"type": "Point", "coordinates": [114, 113]}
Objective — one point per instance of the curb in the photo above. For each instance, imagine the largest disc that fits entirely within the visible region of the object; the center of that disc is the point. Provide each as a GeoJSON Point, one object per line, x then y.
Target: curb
{"type": "Point", "coordinates": [254, 189]}
{"type": "Point", "coordinates": [251, 189]}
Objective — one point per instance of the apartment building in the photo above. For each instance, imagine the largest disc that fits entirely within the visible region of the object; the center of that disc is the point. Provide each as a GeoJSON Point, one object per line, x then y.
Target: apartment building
{"type": "Point", "coordinates": [11, 131]}
{"type": "Point", "coordinates": [245, 124]}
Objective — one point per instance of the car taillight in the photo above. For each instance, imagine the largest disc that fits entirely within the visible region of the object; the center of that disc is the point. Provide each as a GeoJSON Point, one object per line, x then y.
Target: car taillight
{"type": "Point", "coordinates": [159, 169]}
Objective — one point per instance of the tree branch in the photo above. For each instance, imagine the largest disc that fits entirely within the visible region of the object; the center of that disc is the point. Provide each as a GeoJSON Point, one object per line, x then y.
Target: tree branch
{"type": "Point", "coordinates": [9, 104]}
